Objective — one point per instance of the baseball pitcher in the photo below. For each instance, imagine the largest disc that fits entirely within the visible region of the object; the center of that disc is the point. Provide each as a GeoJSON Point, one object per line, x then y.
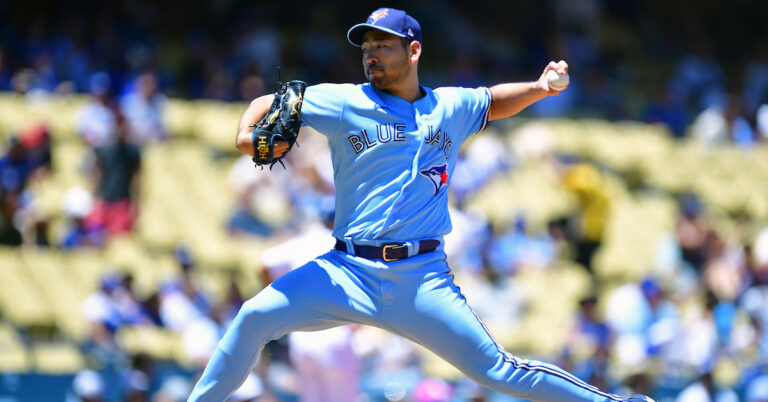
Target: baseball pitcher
{"type": "Point", "coordinates": [394, 145]}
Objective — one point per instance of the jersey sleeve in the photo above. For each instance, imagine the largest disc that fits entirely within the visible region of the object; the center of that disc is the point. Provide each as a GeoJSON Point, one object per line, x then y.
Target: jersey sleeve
{"type": "Point", "coordinates": [323, 107]}
{"type": "Point", "coordinates": [471, 108]}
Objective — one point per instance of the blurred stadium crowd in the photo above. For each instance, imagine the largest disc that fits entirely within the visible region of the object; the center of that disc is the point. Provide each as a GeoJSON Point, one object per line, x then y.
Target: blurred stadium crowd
{"type": "Point", "coordinates": [630, 60]}
{"type": "Point", "coordinates": [627, 243]}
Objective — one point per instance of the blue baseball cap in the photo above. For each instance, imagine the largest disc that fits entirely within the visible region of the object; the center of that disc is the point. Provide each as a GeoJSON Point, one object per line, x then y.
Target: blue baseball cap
{"type": "Point", "coordinates": [389, 20]}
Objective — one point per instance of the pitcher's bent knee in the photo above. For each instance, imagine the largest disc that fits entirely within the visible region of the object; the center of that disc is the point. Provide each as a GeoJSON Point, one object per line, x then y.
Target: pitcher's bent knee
{"type": "Point", "coordinates": [262, 318]}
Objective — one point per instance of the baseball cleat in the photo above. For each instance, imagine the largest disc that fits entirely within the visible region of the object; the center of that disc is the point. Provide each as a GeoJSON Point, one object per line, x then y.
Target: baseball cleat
{"type": "Point", "coordinates": [639, 398]}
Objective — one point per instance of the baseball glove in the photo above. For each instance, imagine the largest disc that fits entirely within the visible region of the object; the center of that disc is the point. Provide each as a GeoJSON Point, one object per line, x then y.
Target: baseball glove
{"type": "Point", "coordinates": [281, 123]}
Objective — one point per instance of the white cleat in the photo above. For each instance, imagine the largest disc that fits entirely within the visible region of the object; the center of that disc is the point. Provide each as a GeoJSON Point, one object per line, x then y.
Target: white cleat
{"type": "Point", "coordinates": [639, 398]}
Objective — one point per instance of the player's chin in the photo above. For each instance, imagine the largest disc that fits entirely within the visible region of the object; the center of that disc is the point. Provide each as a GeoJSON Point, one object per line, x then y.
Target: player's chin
{"type": "Point", "coordinates": [377, 82]}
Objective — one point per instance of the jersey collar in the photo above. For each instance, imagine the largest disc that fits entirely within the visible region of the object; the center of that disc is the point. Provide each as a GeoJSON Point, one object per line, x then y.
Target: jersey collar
{"type": "Point", "coordinates": [395, 103]}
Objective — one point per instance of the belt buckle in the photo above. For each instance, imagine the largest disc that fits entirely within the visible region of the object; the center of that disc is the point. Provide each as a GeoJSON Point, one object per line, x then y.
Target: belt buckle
{"type": "Point", "coordinates": [384, 252]}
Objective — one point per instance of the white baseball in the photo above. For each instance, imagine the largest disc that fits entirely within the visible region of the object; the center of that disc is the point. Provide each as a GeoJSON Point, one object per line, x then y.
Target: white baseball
{"type": "Point", "coordinates": [556, 81]}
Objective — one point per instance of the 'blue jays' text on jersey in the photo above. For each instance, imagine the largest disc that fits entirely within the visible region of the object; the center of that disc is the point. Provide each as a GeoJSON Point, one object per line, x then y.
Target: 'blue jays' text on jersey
{"type": "Point", "coordinates": [393, 159]}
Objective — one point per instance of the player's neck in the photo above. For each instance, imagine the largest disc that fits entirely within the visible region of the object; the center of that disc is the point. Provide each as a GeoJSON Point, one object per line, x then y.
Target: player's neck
{"type": "Point", "coordinates": [408, 90]}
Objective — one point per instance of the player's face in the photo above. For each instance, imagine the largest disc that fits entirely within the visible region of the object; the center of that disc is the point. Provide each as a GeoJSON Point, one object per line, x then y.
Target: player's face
{"type": "Point", "coordinates": [385, 59]}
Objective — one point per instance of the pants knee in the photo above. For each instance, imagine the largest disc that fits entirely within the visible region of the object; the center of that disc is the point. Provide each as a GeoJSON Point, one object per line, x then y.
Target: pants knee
{"type": "Point", "coordinates": [260, 316]}
{"type": "Point", "coordinates": [501, 375]}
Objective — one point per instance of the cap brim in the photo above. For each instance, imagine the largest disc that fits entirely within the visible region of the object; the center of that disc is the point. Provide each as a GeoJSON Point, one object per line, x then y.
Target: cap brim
{"type": "Point", "coordinates": [355, 34]}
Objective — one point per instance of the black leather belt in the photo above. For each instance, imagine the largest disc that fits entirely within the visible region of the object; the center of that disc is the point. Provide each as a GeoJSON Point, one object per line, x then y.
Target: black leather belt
{"type": "Point", "coordinates": [389, 252]}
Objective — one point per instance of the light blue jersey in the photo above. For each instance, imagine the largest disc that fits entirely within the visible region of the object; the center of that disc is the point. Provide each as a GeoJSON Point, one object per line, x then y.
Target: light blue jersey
{"type": "Point", "coordinates": [393, 159]}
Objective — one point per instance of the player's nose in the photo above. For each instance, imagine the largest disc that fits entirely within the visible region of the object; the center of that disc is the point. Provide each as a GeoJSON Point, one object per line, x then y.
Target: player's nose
{"type": "Point", "coordinates": [371, 56]}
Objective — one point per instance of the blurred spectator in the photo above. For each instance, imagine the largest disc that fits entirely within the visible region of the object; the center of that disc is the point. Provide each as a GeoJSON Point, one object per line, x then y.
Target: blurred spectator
{"type": "Point", "coordinates": [723, 270]}
{"type": "Point", "coordinates": [45, 72]}
{"type": "Point", "coordinates": [691, 231]}
{"type": "Point", "coordinates": [81, 231]}
{"type": "Point", "coordinates": [88, 386]}
{"type": "Point", "coordinates": [221, 86]}
{"type": "Point", "coordinates": [138, 378]}
{"type": "Point", "coordinates": [710, 126]}
{"type": "Point", "coordinates": [628, 314]}
{"type": "Point", "coordinates": [762, 122]}
{"type": "Point", "coordinates": [143, 109]}
{"type": "Point", "coordinates": [9, 234]}
{"type": "Point", "coordinates": [174, 389]}
{"type": "Point", "coordinates": [741, 132]}
{"type": "Point", "coordinates": [5, 76]}
{"type": "Point", "coordinates": [250, 390]}
{"type": "Point", "coordinates": [326, 365]}
{"type": "Point", "coordinates": [467, 245]}
{"type": "Point", "coordinates": [251, 87]}
{"type": "Point", "coordinates": [664, 322]}
{"type": "Point", "coordinates": [700, 77]}
{"type": "Point", "coordinates": [15, 166]}
{"type": "Point", "coordinates": [478, 162]}
{"type": "Point", "coordinates": [151, 307]}
{"type": "Point", "coordinates": [37, 141]}
{"type": "Point", "coordinates": [263, 205]}
{"type": "Point", "coordinates": [185, 309]}
{"type": "Point", "coordinates": [755, 88]}
{"type": "Point", "coordinates": [103, 313]}
{"type": "Point", "coordinates": [231, 304]}
{"type": "Point", "coordinates": [757, 390]}
{"type": "Point", "coordinates": [722, 122]}
{"type": "Point", "coordinates": [670, 109]}
{"type": "Point", "coordinates": [320, 46]}
{"type": "Point", "coordinates": [117, 176]}
{"type": "Point", "coordinates": [517, 249]}
{"type": "Point", "coordinates": [433, 390]}
{"type": "Point", "coordinates": [704, 390]}
{"type": "Point", "coordinates": [182, 302]}
{"type": "Point", "coordinates": [108, 309]}
{"type": "Point", "coordinates": [589, 342]}
{"type": "Point", "coordinates": [199, 337]}
{"type": "Point", "coordinates": [97, 123]}
{"type": "Point", "coordinates": [594, 198]}
{"type": "Point", "coordinates": [262, 45]}
{"type": "Point", "coordinates": [754, 300]}
{"type": "Point", "coordinates": [128, 303]}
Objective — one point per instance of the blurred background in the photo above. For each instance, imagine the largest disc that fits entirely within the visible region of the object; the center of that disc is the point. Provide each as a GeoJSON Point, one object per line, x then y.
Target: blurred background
{"type": "Point", "coordinates": [619, 230]}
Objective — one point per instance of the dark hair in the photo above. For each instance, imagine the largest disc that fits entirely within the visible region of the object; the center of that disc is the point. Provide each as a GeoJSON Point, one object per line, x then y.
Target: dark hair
{"type": "Point", "coordinates": [405, 42]}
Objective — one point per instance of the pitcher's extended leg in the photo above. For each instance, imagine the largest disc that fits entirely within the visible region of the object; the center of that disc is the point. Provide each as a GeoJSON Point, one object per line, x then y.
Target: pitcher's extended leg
{"type": "Point", "coordinates": [318, 295]}
{"type": "Point", "coordinates": [438, 317]}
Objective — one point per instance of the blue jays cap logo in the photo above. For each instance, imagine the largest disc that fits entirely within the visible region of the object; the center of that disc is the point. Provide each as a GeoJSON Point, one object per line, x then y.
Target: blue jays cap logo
{"type": "Point", "coordinates": [377, 15]}
{"type": "Point", "coordinates": [390, 20]}
{"type": "Point", "coordinates": [438, 175]}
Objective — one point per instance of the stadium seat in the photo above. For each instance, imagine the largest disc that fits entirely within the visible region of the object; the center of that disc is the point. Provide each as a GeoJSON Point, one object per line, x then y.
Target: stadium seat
{"type": "Point", "coordinates": [14, 357]}
{"type": "Point", "coordinates": [157, 342]}
{"type": "Point", "coordinates": [57, 358]}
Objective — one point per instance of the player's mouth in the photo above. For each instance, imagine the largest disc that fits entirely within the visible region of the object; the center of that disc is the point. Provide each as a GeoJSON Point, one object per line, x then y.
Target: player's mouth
{"type": "Point", "coordinates": [374, 69]}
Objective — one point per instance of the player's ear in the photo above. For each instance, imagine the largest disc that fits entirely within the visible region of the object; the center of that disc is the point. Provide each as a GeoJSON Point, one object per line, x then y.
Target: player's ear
{"type": "Point", "coordinates": [414, 51]}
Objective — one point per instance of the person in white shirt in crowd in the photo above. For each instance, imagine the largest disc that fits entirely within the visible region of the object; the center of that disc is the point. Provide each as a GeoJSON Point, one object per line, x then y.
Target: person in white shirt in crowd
{"type": "Point", "coordinates": [97, 123]}
{"type": "Point", "coordinates": [143, 109]}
